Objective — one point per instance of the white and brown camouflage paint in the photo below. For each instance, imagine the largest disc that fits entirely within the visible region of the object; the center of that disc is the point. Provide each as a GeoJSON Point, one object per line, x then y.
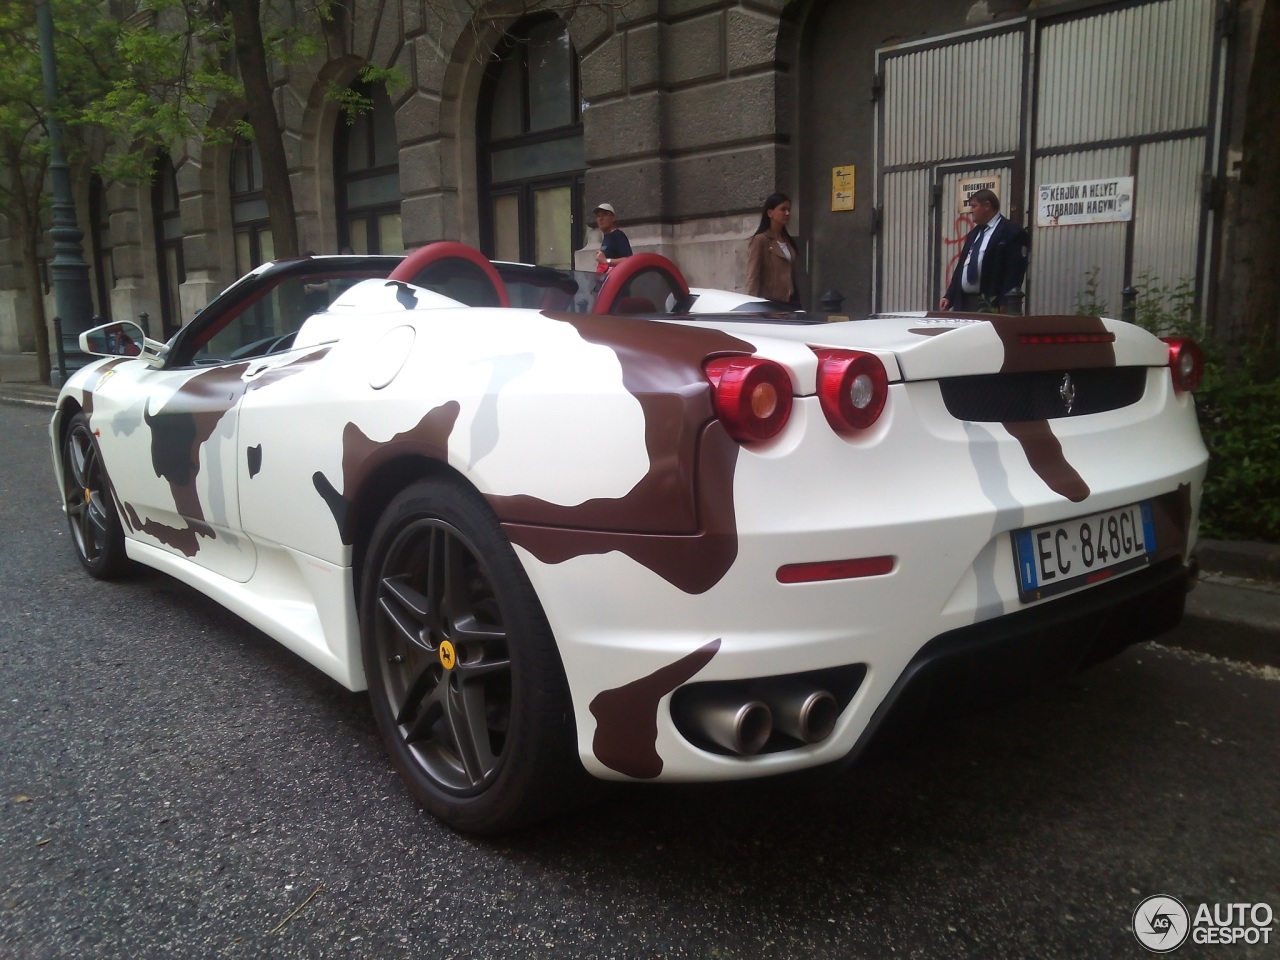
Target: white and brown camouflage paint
{"type": "Point", "coordinates": [650, 536]}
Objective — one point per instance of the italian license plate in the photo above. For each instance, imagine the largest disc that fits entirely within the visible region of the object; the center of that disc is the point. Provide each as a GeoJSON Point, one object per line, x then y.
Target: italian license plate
{"type": "Point", "coordinates": [1077, 553]}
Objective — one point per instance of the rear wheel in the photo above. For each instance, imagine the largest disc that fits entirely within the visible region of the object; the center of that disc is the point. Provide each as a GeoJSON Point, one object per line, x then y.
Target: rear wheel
{"type": "Point", "coordinates": [464, 676]}
{"type": "Point", "coordinates": [95, 525]}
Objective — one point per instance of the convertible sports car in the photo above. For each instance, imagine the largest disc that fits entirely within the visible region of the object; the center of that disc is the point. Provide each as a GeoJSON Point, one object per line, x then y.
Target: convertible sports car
{"type": "Point", "coordinates": [630, 530]}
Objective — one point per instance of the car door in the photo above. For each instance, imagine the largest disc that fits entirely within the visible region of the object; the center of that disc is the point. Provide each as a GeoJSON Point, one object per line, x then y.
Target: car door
{"type": "Point", "coordinates": [167, 438]}
{"type": "Point", "coordinates": [169, 434]}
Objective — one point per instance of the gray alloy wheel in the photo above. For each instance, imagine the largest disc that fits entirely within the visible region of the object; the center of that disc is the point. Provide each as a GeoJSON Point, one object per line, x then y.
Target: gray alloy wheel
{"type": "Point", "coordinates": [95, 525]}
{"type": "Point", "coordinates": [463, 673]}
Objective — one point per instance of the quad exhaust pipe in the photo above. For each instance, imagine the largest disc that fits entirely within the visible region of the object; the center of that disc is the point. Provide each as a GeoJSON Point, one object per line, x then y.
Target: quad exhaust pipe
{"type": "Point", "coordinates": [740, 726]}
{"type": "Point", "coordinates": [806, 714]}
{"type": "Point", "coordinates": [743, 725]}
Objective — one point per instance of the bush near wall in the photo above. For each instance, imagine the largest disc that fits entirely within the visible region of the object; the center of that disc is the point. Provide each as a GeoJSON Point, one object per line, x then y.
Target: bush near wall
{"type": "Point", "coordinates": [1240, 420]}
{"type": "Point", "coordinates": [1238, 406]}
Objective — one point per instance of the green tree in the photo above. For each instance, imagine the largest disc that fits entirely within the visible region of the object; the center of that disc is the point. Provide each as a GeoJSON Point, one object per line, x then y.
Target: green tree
{"type": "Point", "coordinates": [180, 60]}
{"type": "Point", "coordinates": [83, 42]}
{"type": "Point", "coordinates": [26, 156]}
{"type": "Point", "coordinates": [183, 59]}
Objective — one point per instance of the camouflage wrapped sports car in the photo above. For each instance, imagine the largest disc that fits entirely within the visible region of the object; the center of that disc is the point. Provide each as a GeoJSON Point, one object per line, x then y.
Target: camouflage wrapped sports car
{"type": "Point", "coordinates": [629, 531]}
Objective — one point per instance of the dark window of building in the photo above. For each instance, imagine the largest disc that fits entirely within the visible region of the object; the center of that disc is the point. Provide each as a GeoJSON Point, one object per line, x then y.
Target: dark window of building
{"type": "Point", "coordinates": [168, 230]}
{"type": "Point", "coordinates": [531, 159]}
{"type": "Point", "coordinates": [250, 221]}
{"type": "Point", "coordinates": [104, 274]}
{"type": "Point", "coordinates": [251, 227]}
{"type": "Point", "coordinates": [366, 163]}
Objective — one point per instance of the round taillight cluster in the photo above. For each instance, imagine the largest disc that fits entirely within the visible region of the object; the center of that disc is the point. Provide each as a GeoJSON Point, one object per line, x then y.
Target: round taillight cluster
{"type": "Point", "coordinates": [1186, 363]}
{"type": "Point", "coordinates": [752, 396]}
{"type": "Point", "coordinates": [852, 388]}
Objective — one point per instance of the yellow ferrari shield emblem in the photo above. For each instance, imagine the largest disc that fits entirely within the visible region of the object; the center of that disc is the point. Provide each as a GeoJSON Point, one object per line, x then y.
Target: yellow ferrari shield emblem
{"type": "Point", "coordinates": [448, 656]}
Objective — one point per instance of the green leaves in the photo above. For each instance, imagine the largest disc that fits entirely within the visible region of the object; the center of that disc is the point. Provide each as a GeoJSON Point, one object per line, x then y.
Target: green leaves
{"type": "Point", "coordinates": [1238, 407]}
{"type": "Point", "coordinates": [1239, 411]}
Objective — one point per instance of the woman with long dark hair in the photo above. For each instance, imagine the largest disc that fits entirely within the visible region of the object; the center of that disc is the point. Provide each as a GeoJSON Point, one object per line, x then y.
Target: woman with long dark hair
{"type": "Point", "coordinates": [773, 262]}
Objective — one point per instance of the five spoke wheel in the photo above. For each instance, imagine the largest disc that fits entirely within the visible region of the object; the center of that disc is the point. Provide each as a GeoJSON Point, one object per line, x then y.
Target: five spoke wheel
{"type": "Point", "coordinates": [443, 650]}
{"type": "Point", "coordinates": [95, 526]}
{"type": "Point", "coordinates": [464, 676]}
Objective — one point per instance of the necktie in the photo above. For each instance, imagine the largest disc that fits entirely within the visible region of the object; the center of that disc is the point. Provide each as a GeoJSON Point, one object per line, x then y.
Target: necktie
{"type": "Point", "coordinates": [971, 264]}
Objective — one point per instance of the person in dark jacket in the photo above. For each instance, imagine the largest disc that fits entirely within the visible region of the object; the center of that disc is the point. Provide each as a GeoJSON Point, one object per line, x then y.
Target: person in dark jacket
{"type": "Point", "coordinates": [614, 245]}
{"type": "Point", "coordinates": [993, 261]}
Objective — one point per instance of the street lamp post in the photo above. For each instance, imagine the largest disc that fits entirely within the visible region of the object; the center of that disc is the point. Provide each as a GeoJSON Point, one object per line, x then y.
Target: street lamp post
{"type": "Point", "coordinates": [72, 297]}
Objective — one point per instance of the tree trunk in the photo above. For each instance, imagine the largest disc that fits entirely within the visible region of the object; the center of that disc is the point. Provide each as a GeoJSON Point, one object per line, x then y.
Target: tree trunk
{"type": "Point", "coordinates": [1260, 189]}
{"type": "Point", "coordinates": [251, 56]}
{"type": "Point", "coordinates": [23, 207]}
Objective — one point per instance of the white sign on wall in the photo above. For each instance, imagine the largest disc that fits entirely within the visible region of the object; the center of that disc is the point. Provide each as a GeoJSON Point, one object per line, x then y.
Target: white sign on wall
{"type": "Point", "coordinates": [1085, 201]}
{"type": "Point", "coordinates": [966, 187]}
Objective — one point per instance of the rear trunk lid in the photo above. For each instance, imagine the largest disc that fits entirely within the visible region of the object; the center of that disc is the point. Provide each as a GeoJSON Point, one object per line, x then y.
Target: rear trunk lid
{"type": "Point", "coordinates": [938, 346]}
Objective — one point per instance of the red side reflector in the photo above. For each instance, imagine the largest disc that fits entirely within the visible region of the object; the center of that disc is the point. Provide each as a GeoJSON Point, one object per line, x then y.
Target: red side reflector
{"type": "Point", "coordinates": [1060, 338]}
{"type": "Point", "coordinates": [835, 570]}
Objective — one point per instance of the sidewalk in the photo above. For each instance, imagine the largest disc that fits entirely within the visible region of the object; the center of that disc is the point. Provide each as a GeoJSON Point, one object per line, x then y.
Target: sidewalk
{"type": "Point", "coordinates": [1234, 611]}
{"type": "Point", "coordinates": [36, 394]}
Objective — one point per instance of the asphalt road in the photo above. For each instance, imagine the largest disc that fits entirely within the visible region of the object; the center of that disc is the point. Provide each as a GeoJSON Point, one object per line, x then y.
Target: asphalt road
{"type": "Point", "coordinates": [174, 784]}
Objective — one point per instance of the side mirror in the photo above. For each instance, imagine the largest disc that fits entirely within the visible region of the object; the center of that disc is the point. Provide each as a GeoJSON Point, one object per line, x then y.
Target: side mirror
{"type": "Point", "coordinates": [121, 339]}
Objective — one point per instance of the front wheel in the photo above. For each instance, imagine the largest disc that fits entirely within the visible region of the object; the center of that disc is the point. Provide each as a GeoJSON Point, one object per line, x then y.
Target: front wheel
{"type": "Point", "coordinates": [464, 675]}
{"type": "Point", "coordinates": [86, 492]}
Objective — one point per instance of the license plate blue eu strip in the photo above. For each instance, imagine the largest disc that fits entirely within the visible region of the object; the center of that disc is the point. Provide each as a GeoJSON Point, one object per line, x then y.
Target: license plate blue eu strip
{"type": "Point", "coordinates": [1055, 558]}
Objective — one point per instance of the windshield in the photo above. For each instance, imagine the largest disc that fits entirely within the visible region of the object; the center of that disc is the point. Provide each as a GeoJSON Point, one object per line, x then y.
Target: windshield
{"type": "Point", "coordinates": [548, 288]}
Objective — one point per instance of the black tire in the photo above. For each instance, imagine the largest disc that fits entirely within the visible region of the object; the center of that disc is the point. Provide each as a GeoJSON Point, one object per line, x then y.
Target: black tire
{"type": "Point", "coordinates": [464, 675]}
{"type": "Point", "coordinates": [91, 513]}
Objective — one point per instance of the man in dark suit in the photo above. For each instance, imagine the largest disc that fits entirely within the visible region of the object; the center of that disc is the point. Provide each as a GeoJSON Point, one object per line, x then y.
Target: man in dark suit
{"type": "Point", "coordinates": [993, 261]}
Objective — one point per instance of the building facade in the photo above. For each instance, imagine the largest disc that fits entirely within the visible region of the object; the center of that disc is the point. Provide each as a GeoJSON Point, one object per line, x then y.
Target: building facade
{"type": "Point", "coordinates": [1109, 129]}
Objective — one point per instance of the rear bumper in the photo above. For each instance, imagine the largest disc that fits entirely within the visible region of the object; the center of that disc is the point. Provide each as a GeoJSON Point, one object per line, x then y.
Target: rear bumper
{"type": "Point", "coordinates": [987, 662]}
{"type": "Point", "coordinates": [943, 499]}
{"type": "Point", "coordinates": [930, 638]}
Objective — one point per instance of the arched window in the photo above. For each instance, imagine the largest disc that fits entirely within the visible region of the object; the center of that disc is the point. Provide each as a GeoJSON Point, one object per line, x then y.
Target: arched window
{"type": "Point", "coordinates": [250, 222]}
{"type": "Point", "coordinates": [531, 160]}
{"type": "Point", "coordinates": [366, 164]}
{"type": "Point", "coordinates": [168, 230]}
{"type": "Point", "coordinates": [104, 274]}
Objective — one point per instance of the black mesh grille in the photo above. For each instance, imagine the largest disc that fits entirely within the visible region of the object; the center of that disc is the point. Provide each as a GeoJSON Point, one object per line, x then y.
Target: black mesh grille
{"type": "Point", "coordinates": [1009, 398]}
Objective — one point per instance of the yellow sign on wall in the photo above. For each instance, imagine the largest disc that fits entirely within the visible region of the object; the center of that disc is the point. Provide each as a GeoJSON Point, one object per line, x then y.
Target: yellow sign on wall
{"type": "Point", "coordinates": [842, 188]}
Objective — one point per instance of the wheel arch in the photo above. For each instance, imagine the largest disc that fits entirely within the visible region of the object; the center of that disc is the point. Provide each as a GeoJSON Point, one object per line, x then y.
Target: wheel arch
{"type": "Point", "coordinates": [378, 490]}
{"type": "Point", "coordinates": [59, 426]}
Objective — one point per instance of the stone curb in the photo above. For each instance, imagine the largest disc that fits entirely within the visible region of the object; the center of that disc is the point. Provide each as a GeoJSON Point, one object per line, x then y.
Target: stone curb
{"type": "Point", "coordinates": [1247, 559]}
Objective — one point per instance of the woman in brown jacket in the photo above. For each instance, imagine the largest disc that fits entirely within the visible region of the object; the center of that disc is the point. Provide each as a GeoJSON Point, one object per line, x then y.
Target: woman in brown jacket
{"type": "Point", "coordinates": [773, 263]}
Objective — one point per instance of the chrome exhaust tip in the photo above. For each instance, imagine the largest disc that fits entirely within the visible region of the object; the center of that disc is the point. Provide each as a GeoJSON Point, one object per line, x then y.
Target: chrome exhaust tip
{"type": "Point", "coordinates": [743, 727]}
{"type": "Point", "coordinates": [806, 715]}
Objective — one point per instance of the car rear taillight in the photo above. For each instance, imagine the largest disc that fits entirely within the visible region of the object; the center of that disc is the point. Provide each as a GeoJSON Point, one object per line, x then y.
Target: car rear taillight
{"type": "Point", "coordinates": [752, 396]}
{"type": "Point", "coordinates": [1186, 363]}
{"type": "Point", "coordinates": [852, 388]}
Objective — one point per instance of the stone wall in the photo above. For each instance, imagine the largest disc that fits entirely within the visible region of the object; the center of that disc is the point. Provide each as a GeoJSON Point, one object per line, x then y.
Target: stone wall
{"type": "Point", "coordinates": [686, 129]}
